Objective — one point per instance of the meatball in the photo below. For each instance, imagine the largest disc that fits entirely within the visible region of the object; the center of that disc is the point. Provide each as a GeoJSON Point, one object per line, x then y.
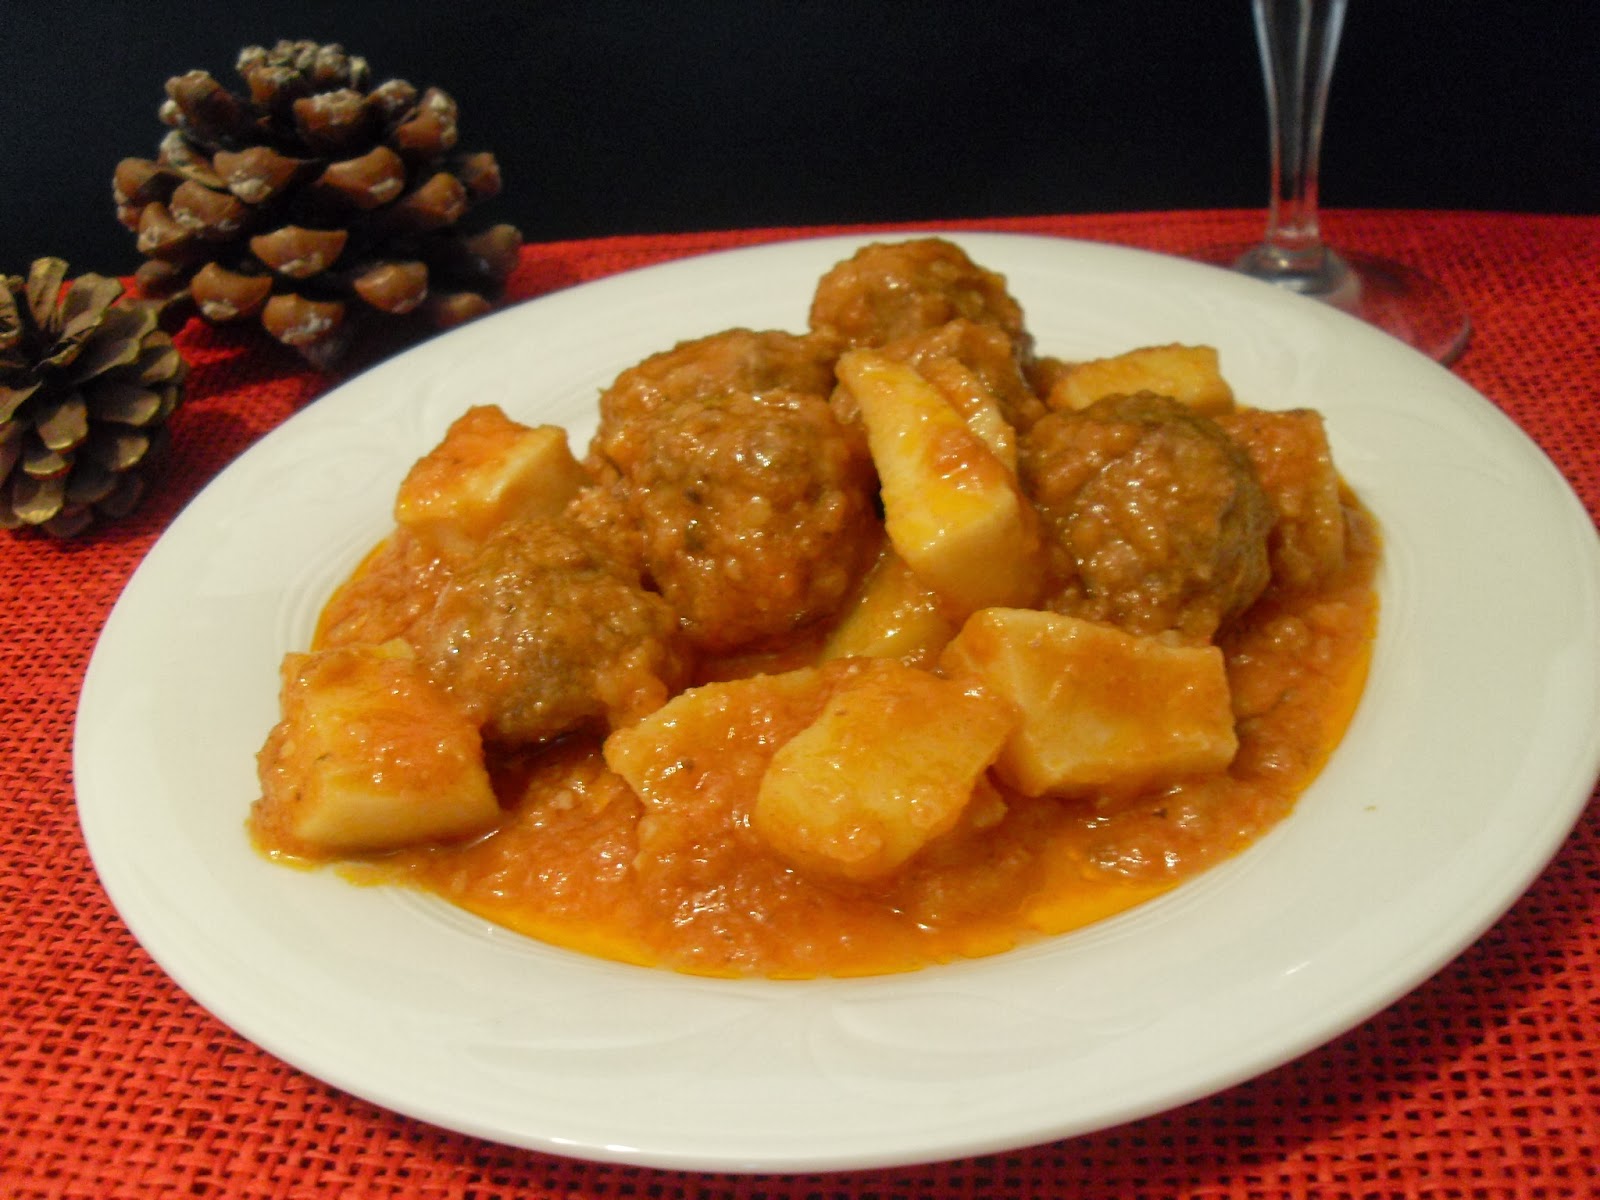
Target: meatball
{"type": "Point", "coordinates": [539, 634]}
{"type": "Point", "coordinates": [891, 290]}
{"type": "Point", "coordinates": [736, 360]}
{"type": "Point", "coordinates": [1155, 518]}
{"type": "Point", "coordinates": [748, 505]}
{"type": "Point", "coordinates": [755, 513]}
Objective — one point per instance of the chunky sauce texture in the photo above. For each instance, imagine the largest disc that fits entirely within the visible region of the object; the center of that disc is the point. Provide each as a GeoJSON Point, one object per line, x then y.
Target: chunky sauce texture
{"type": "Point", "coordinates": [565, 866]}
{"type": "Point", "coordinates": [724, 531]}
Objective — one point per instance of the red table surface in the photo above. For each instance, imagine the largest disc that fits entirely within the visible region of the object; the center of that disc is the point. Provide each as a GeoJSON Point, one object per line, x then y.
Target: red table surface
{"type": "Point", "coordinates": [1483, 1082]}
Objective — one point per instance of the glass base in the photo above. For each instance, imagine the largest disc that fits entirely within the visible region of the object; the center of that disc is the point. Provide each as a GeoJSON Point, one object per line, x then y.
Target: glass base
{"type": "Point", "coordinates": [1397, 299]}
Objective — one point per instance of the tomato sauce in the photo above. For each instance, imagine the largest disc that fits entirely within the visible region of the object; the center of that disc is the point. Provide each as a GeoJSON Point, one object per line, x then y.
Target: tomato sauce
{"type": "Point", "coordinates": [579, 862]}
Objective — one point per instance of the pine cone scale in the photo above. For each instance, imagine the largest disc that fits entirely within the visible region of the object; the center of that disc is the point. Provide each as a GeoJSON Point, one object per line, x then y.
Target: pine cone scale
{"type": "Point", "coordinates": [45, 278]}
{"type": "Point", "coordinates": [41, 462]}
{"type": "Point", "coordinates": [207, 213]}
{"type": "Point", "coordinates": [176, 154]}
{"type": "Point", "coordinates": [118, 341]}
{"type": "Point", "coordinates": [224, 295]}
{"type": "Point", "coordinates": [208, 109]}
{"type": "Point", "coordinates": [64, 423]}
{"type": "Point", "coordinates": [300, 253]}
{"type": "Point", "coordinates": [394, 287]}
{"type": "Point", "coordinates": [89, 484]}
{"type": "Point", "coordinates": [10, 451]}
{"type": "Point", "coordinates": [333, 123]}
{"type": "Point", "coordinates": [138, 181]}
{"type": "Point", "coordinates": [12, 399]}
{"type": "Point", "coordinates": [36, 500]}
{"type": "Point", "coordinates": [124, 497]}
{"type": "Point", "coordinates": [367, 181]}
{"type": "Point", "coordinates": [162, 236]}
{"type": "Point", "coordinates": [125, 404]}
{"type": "Point", "coordinates": [116, 450]}
{"type": "Point", "coordinates": [259, 174]}
{"type": "Point", "coordinates": [159, 363]}
{"type": "Point", "coordinates": [84, 305]}
{"type": "Point", "coordinates": [11, 355]}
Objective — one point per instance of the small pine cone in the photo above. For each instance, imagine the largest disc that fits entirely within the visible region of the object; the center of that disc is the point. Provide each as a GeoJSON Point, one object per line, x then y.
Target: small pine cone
{"type": "Point", "coordinates": [314, 203]}
{"type": "Point", "coordinates": [87, 381]}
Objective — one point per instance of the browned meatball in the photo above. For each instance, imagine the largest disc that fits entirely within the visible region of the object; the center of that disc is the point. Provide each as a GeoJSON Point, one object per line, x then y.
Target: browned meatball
{"type": "Point", "coordinates": [736, 360]}
{"type": "Point", "coordinates": [539, 634]}
{"type": "Point", "coordinates": [1156, 519]}
{"type": "Point", "coordinates": [756, 514]}
{"type": "Point", "coordinates": [890, 290]}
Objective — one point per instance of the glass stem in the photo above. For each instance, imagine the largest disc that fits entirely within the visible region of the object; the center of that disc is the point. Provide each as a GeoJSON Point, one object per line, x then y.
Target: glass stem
{"type": "Point", "coordinates": [1299, 40]}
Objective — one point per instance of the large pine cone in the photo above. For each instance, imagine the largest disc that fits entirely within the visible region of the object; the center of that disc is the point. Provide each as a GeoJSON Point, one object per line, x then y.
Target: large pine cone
{"type": "Point", "coordinates": [314, 204]}
{"type": "Point", "coordinates": [87, 382]}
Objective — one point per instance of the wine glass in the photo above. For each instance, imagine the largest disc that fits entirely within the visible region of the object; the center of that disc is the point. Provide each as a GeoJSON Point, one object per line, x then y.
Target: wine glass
{"type": "Point", "coordinates": [1299, 40]}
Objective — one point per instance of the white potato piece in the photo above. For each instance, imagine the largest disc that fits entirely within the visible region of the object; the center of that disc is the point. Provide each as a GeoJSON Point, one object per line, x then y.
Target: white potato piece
{"type": "Point", "coordinates": [1290, 453]}
{"type": "Point", "coordinates": [968, 395]}
{"type": "Point", "coordinates": [1100, 710]}
{"type": "Point", "coordinates": [370, 755]}
{"type": "Point", "coordinates": [891, 763]}
{"type": "Point", "coordinates": [695, 762]}
{"type": "Point", "coordinates": [488, 470]}
{"type": "Point", "coordinates": [953, 511]}
{"type": "Point", "coordinates": [724, 729]}
{"type": "Point", "coordinates": [1191, 375]}
{"type": "Point", "coordinates": [894, 615]}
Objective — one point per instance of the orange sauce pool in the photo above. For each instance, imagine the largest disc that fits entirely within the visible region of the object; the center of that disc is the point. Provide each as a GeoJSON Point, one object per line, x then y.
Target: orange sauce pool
{"type": "Point", "coordinates": [577, 863]}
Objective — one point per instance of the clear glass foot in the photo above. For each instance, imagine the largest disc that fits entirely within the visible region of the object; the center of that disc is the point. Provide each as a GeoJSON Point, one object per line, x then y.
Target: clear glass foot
{"type": "Point", "coordinates": [1401, 301]}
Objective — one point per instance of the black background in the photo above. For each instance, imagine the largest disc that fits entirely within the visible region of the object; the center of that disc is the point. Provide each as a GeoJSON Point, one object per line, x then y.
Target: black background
{"type": "Point", "coordinates": [624, 116]}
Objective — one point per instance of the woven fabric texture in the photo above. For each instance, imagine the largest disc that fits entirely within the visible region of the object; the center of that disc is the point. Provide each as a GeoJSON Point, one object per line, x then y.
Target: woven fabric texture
{"type": "Point", "coordinates": [114, 1085]}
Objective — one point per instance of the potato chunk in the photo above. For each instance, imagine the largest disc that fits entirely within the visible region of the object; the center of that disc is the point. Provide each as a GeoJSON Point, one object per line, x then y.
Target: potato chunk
{"type": "Point", "coordinates": [889, 764]}
{"type": "Point", "coordinates": [1289, 451]}
{"type": "Point", "coordinates": [369, 756]}
{"type": "Point", "coordinates": [1100, 709]}
{"type": "Point", "coordinates": [723, 728]}
{"type": "Point", "coordinates": [894, 615]}
{"type": "Point", "coordinates": [488, 470]}
{"type": "Point", "coordinates": [964, 390]}
{"type": "Point", "coordinates": [953, 511]}
{"type": "Point", "coordinates": [846, 769]}
{"type": "Point", "coordinates": [1190, 375]}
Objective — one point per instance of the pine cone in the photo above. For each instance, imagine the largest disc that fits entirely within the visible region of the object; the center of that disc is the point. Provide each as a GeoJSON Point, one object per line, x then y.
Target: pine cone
{"type": "Point", "coordinates": [316, 203]}
{"type": "Point", "coordinates": [87, 381]}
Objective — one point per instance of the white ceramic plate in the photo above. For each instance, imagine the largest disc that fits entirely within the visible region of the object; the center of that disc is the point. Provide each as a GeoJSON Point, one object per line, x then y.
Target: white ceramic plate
{"type": "Point", "coordinates": [1466, 765]}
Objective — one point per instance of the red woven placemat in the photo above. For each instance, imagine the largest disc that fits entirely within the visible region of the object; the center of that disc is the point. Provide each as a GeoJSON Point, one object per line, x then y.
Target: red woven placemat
{"type": "Point", "coordinates": [1484, 1082]}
